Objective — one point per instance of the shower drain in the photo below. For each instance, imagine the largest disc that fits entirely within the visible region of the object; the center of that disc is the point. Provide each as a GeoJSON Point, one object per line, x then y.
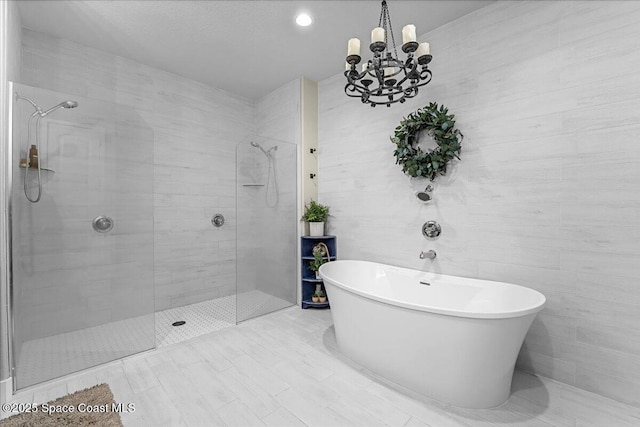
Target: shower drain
{"type": "Point", "coordinates": [178, 323]}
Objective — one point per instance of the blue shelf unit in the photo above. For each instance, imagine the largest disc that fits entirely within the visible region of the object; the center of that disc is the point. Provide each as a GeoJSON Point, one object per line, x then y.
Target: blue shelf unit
{"type": "Point", "coordinates": [309, 280]}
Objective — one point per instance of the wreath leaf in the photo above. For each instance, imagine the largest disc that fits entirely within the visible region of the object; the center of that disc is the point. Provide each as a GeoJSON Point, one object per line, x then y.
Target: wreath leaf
{"type": "Point", "coordinates": [438, 124]}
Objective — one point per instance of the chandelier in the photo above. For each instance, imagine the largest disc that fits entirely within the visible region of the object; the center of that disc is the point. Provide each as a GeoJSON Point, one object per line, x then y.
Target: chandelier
{"type": "Point", "coordinates": [385, 79]}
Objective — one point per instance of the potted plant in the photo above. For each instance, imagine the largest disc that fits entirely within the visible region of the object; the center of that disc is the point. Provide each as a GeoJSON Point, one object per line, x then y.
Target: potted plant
{"type": "Point", "coordinates": [319, 253]}
{"type": "Point", "coordinates": [322, 297]}
{"type": "Point", "coordinates": [315, 298]}
{"type": "Point", "coordinates": [316, 215]}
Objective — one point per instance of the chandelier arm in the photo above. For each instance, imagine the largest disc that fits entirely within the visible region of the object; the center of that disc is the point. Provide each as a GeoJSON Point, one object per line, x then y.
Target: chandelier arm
{"type": "Point", "coordinates": [354, 93]}
{"type": "Point", "coordinates": [379, 76]}
{"type": "Point", "coordinates": [412, 65]}
{"type": "Point", "coordinates": [389, 101]}
{"type": "Point", "coordinates": [383, 98]}
{"type": "Point", "coordinates": [401, 81]}
{"type": "Point", "coordinates": [395, 91]}
{"type": "Point", "coordinates": [426, 79]}
{"type": "Point", "coordinates": [353, 80]}
{"type": "Point", "coordinates": [357, 91]}
{"type": "Point", "coordinates": [424, 74]}
{"type": "Point", "coordinates": [386, 95]}
{"type": "Point", "coordinates": [355, 87]}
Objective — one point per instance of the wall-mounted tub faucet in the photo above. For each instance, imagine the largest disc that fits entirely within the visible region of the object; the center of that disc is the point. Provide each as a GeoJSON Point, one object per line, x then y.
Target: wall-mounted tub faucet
{"type": "Point", "coordinates": [431, 254]}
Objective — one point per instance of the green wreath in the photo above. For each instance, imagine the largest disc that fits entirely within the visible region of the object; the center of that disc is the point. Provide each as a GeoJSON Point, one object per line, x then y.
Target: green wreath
{"type": "Point", "coordinates": [439, 124]}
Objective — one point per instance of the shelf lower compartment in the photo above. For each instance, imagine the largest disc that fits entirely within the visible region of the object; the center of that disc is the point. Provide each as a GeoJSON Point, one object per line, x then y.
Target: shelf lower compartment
{"type": "Point", "coordinates": [309, 303]}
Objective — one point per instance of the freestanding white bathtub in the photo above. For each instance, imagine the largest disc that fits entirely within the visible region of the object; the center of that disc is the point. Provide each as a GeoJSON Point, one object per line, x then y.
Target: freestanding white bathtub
{"type": "Point", "coordinates": [450, 338]}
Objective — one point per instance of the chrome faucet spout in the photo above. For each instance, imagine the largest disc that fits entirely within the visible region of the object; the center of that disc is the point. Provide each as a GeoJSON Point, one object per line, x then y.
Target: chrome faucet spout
{"type": "Point", "coordinates": [431, 254]}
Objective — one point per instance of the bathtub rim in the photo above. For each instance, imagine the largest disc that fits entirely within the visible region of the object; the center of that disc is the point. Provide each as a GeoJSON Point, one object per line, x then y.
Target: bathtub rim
{"type": "Point", "coordinates": [436, 310]}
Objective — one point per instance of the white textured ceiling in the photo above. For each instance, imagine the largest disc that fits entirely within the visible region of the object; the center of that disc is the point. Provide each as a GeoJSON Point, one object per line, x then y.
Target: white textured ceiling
{"type": "Point", "coordinates": [245, 47]}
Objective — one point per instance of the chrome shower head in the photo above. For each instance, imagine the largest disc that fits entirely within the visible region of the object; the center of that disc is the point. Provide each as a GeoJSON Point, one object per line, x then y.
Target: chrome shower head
{"type": "Point", "coordinates": [63, 104]}
{"type": "Point", "coordinates": [424, 196]}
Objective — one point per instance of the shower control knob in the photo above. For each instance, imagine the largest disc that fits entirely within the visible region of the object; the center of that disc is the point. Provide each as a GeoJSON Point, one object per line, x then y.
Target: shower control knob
{"type": "Point", "coordinates": [217, 220]}
{"type": "Point", "coordinates": [102, 224]}
{"type": "Point", "coordinates": [431, 229]}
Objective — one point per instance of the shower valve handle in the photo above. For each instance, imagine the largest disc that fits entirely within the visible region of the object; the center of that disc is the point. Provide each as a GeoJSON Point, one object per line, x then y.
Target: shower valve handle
{"type": "Point", "coordinates": [431, 229]}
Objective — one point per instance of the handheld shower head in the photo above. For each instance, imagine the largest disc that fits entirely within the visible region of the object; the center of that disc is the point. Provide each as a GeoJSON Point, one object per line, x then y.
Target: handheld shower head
{"type": "Point", "coordinates": [63, 104]}
{"type": "Point", "coordinates": [272, 177]}
{"type": "Point", "coordinates": [255, 144]}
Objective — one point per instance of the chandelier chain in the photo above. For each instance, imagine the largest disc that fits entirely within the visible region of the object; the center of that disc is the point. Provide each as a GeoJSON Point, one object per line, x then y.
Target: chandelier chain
{"type": "Point", "coordinates": [388, 28]}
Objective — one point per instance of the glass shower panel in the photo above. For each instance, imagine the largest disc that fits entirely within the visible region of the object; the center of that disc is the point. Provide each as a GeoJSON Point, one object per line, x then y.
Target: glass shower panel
{"type": "Point", "coordinates": [82, 256]}
{"type": "Point", "coordinates": [266, 190]}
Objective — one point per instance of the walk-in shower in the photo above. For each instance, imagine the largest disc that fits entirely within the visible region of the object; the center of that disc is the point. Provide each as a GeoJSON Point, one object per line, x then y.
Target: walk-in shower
{"type": "Point", "coordinates": [31, 159]}
{"type": "Point", "coordinates": [266, 203]}
{"type": "Point", "coordinates": [79, 297]}
{"type": "Point", "coordinates": [103, 265]}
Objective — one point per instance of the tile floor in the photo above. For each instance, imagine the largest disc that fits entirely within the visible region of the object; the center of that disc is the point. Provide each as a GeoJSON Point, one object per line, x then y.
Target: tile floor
{"type": "Point", "coordinates": [283, 369]}
{"type": "Point", "coordinates": [60, 354]}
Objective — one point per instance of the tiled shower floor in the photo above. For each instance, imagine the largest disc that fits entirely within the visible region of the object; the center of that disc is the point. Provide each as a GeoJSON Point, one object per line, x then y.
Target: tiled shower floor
{"type": "Point", "coordinates": [54, 356]}
{"type": "Point", "coordinates": [212, 315]}
{"type": "Point", "coordinates": [50, 357]}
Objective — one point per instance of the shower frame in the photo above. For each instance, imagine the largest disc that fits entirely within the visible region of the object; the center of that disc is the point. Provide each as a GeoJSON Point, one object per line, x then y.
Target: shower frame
{"type": "Point", "coordinates": [6, 156]}
{"type": "Point", "coordinates": [294, 226]}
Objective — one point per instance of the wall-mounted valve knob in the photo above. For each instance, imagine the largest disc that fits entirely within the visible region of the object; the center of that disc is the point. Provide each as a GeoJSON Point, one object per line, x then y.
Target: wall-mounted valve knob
{"type": "Point", "coordinates": [217, 220]}
{"type": "Point", "coordinates": [431, 229]}
{"type": "Point", "coordinates": [102, 224]}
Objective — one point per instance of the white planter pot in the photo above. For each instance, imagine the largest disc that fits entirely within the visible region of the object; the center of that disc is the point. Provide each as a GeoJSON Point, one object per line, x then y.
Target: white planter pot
{"type": "Point", "coordinates": [316, 229]}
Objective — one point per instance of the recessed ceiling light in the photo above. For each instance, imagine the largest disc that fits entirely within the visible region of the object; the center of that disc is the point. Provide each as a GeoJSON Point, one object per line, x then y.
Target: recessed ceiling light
{"type": "Point", "coordinates": [304, 20]}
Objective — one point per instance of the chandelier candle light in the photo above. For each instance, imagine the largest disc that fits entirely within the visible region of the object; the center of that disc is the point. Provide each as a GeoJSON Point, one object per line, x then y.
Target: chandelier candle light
{"type": "Point", "coordinates": [395, 80]}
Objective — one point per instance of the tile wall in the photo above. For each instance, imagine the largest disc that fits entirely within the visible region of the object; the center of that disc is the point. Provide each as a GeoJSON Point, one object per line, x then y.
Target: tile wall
{"type": "Point", "coordinates": [196, 130]}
